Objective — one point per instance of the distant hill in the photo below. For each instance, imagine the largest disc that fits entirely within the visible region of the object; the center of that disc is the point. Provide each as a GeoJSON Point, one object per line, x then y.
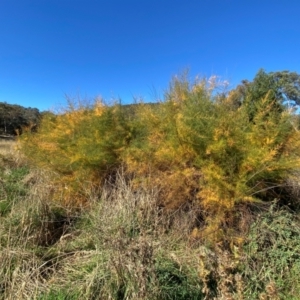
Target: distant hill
{"type": "Point", "coordinates": [13, 118]}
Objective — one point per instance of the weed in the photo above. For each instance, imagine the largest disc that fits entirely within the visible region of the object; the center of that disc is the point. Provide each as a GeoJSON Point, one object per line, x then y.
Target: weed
{"type": "Point", "coordinates": [272, 256]}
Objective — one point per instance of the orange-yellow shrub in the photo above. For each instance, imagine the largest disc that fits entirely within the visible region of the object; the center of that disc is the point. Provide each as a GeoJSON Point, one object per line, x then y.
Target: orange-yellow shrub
{"type": "Point", "coordinates": [81, 146]}
{"type": "Point", "coordinates": [197, 145]}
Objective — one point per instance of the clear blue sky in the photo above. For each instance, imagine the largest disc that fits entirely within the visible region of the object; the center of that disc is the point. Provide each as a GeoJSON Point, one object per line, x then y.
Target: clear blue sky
{"type": "Point", "coordinates": [132, 48]}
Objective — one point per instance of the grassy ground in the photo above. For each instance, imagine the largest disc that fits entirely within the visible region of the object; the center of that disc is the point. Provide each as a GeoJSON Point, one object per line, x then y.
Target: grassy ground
{"type": "Point", "coordinates": [124, 246]}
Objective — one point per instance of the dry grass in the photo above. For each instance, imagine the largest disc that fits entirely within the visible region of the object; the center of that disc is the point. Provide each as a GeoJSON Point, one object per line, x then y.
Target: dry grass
{"type": "Point", "coordinates": [121, 241]}
{"type": "Point", "coordinates": [7, 147]}
{"type": "Point", "coordinates": [10, 154]}
{"type": "Point", "coordinates": [124, 246]}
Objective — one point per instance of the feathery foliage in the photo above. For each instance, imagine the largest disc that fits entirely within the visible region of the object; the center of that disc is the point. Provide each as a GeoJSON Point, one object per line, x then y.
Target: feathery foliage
{"type": "Point", "coordinates": [196, 145]}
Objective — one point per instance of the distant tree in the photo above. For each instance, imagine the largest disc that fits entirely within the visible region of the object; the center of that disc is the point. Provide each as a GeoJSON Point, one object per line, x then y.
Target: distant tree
{"type": "Point", "coordinates": [282, 87]}
{"type": "Point", "coordinates": [14, 118]}
{"type": "Point", "coordinates": [288, 86]}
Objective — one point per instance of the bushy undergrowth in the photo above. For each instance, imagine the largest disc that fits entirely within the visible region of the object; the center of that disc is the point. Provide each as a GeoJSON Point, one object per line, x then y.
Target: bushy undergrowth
{"type": "Point", "coordinates": [125, 246]}
{"type": "Point", "coordinates": [196, 145]}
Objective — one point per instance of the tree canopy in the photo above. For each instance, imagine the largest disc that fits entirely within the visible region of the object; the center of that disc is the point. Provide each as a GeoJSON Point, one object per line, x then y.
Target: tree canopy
{"type": "Point", "coordinates": [14, 118]}
{"type": "Point", "coordinates": [282, 88]}
{"type": "Point", "coordinates": [284, 85]}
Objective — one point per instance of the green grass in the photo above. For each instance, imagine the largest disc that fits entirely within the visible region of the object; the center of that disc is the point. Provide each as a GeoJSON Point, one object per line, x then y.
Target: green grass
{"type": "Point", "coordinates": [272, 255]}
{"type": "Point", "coordinates": [59, 295]}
